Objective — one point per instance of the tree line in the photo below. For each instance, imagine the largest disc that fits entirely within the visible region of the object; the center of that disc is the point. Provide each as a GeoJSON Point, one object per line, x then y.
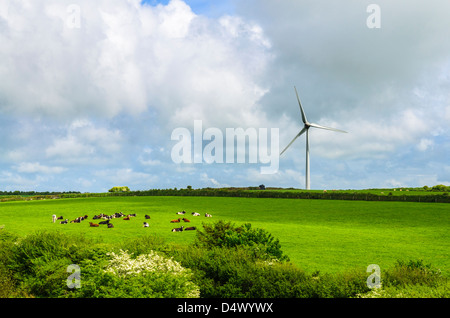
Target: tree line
{"type": "Point", "coordinates": [248, 192]}
{"type": "Point", "coordinates": [281, 194]}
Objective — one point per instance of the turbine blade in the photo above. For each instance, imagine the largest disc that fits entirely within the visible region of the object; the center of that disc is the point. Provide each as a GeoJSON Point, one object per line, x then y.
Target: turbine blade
{"type": "Point", "coordinates": [327, 128]}
{"type": "Point", "coordinates": [295, 138]}
{"type": "Point", "coordinates": [301, 108]}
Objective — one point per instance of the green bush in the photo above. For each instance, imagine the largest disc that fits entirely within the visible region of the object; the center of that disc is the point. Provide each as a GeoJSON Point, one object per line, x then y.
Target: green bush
{"type": "Point", "coordinates": [144, 245]}
{"type": "Point", "coordinates": [38, 262]}
{"type": "Point", "coordinates": [410, 291]}
{"type": "Point", "coordinates": [412, 273]}
{"type": "Point", "coordinates": [259, 241]}
{"type": "Point", "coordinates": [47, 278]}
{"type": "Point", "coordinates": [223, 272]}
{"type": "Point", "coordinates": [411, 279]}
{"type": "Point", "coordinates": [7, 285]}
{"type": "Point", "coordinates": [146, 276]}
{"type": "Point", "coordinates": [45, 247]}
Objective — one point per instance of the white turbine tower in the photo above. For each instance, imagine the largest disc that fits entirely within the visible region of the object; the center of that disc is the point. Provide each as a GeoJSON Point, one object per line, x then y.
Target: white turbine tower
{"type": "Point", "coordinates": [306, 127]}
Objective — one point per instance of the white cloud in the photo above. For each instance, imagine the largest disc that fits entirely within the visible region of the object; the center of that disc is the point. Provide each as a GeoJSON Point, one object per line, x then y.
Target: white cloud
{"type": "Point", "coordinates": [126, 57]}
{"type": "Point", "coordinates": [211, 182]}
{"type": "Point", "coordinates": [13, 181]}
{"type": "Point", "coordinates": [425, 144]}
{"type": "Point", "coordinates": [127, 177]}
{"type": "Point", "coordinates": [69, 148]}
{"type": "Point", "coordinates": [146, 158]}
{"type": "Point", "coordinates": [35, 167]}
{"type": "Point", "coordinates": [108, 94]}
{"type": "Point", "coordinates": [84, 142]}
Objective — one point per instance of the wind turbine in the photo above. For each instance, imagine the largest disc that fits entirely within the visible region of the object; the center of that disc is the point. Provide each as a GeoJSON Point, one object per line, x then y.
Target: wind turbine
{"type": "Point", "coordinates": [306, 127]}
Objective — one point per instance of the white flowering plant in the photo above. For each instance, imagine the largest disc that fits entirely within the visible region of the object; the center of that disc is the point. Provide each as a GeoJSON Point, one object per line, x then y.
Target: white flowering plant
{"type": "Point", "coordinates": [163, 276]}
{"type": "Point", "coordinates": [123, 265]}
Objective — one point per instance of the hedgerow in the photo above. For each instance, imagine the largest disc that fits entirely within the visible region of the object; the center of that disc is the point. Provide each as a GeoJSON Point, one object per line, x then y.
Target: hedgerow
{"type": "Point", "coordinates": [226, 261]}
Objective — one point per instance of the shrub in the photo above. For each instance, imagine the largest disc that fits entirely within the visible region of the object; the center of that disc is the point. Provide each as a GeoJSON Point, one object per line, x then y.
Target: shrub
{"type": "Point", "coordinates": [410, 291]}
{"type": "Point", "coordinates": [223, 272]}
{"type": "Point", "coordinates": [411, 279]}
{"type": "Point", "coordinates": [221, 234]}
{"type": "Point", "coordinates": [236, 272]}
{"type": "Point", "coordinates": [44, 246]}
{"type": "Point", "coordinates": [7, 286]}
{"type": "Point", "coordinates": [412, 273]}
{"type": "Point", "coordinates": [119, 275]}
{"type": "Point", "coordinates": [158, 275]}
{"type": "Point", "coordinates": [339, 285]}
{"type": "Point", "coordinates": [38, 262]}
{"type": "Point", "coordinates": [144, 245]}
{"type": "Point", "coordinates": [47, 279]}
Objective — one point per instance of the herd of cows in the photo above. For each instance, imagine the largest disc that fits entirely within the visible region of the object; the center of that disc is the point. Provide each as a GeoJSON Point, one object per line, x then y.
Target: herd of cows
{"type": "Point", "coordinates": [119, 215]}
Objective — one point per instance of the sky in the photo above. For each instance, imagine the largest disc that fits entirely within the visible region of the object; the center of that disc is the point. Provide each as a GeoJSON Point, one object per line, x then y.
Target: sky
{"type": "Point", "coordinates": [91, 92]}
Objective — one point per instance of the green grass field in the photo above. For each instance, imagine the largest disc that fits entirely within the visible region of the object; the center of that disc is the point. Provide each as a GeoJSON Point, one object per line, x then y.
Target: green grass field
{"type": "Point", "coordinates": [329, 236]}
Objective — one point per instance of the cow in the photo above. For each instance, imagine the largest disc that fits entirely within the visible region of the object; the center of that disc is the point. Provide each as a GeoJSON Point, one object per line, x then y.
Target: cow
{"type": "Point", "coordinates": [195, 214]}
{"type": "Point", "coordinates": [186, 220]}
{"type": "Point", "coordinates": [175, 221]}
{"type": "Point", "coordinates": [126, 219]}
{"type": "Point", "coordinates": [110, 226]}
{"type": "Point", "coordinates": [208, 215]}
{"type": "Point", "coordinates": [78, 219]}
{"type": "Point", "coordinates": [60, 218]}
{"type": "Point", "coordinates": [146, 224]}
{"type": "Point", "coordinates": [147, 217]}
{"type": "Point", "coordinates": [181, 213]}
{"type": "Point", "coordinates": [93, 224]}
{"type": "Point", "coordinates": [193, 228]}
{"type": "Point", "coordinates": [64, 222]}
{"type": "Point", "coordinates": [104, 222]}
{"type": "Point", "coordinates": [180, 229]}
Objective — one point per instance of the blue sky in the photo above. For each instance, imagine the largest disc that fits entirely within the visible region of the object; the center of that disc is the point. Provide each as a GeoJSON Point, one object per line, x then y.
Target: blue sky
{"type": "Point", "coordinates": [203, 7]}
{"type": "Point", "coordinates": [90, 93]}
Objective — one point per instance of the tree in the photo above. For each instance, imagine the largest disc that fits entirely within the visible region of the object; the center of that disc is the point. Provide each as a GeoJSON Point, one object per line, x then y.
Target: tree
{"type": "Point", "coordinates": [119, 189]}
{"type": "Point", "coordinates": [440, 188]}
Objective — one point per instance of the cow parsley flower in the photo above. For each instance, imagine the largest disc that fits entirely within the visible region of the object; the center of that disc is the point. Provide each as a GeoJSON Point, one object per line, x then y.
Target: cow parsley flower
{"type": "Point", "coordinates": [123, 265]}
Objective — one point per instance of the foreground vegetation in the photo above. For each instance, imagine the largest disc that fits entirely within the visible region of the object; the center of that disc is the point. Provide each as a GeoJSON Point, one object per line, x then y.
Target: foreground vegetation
{"type": "Point", "coordinates": [224, 261]}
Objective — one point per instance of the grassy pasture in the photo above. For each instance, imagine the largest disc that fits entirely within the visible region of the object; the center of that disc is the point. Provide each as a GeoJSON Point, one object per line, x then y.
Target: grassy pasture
{"type": "Point", "coordinates": [330, 236]}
